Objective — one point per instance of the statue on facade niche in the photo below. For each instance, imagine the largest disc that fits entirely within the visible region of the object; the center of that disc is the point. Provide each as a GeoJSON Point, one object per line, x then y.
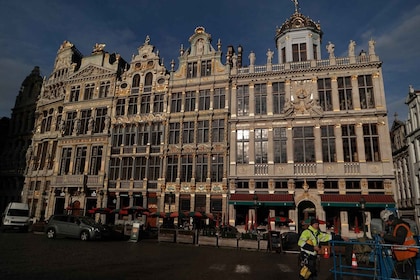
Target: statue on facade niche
{"type": "Point", "coordinates": [371, 47]}
{"type": "Point", "coordinates": [61, 126]}
{"type": "Point", "coordinates": [90, 124]}
{"type": "Point", "coordinates": [251, 58]}
{"type": "Point", "coordinates": [147, 40]}
{"type": "Point", "coordinates": [330, 48]}
{"type": "Point", "coordinates": [352, 44]}
{"type": "Point", "coordinates": [234, 59]}
{"type": "Point", "coordinates": [98, 48]}
{"type": "Point", "coordinates": [270, 54]}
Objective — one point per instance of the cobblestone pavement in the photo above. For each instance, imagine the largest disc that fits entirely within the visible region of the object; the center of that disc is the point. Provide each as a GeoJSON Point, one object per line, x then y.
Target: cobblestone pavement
{"type": "Point", "coordinates": [33, 256]}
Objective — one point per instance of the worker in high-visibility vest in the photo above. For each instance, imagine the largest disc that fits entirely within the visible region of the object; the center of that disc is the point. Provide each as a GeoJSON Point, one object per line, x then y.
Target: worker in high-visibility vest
{"type": "Point", "coordinates": [309, 243]}
{"type": "Point", "coordinates": [399, 233]}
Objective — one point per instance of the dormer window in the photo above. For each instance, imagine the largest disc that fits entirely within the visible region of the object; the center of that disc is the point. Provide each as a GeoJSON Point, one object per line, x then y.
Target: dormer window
{"type": "Point", "coordinates": [192, 70]}
{"type": "Point", "coordinates": [299, 52]}
{"type": "Point", "coordinates": [205, 68]}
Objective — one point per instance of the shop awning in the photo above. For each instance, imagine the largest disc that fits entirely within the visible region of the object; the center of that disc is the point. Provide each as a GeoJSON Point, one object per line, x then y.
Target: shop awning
{"type": "Point", "coordinates": [262, 199]}
{"type": "Point", "coordinates": [353, 200]}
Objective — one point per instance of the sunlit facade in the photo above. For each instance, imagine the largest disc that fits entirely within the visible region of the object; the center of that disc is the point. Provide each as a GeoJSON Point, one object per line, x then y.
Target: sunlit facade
{"type": "Point", "coordinates": [299, 137]}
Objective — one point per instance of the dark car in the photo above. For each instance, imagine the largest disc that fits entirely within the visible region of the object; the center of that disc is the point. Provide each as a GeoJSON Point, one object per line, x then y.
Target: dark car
{"type": "Point", "coordinates": [81, 227]}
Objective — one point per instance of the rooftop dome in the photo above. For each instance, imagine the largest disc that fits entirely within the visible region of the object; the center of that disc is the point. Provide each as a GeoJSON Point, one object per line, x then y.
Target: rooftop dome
{"type": "Point", "coordinates": [298, 21]}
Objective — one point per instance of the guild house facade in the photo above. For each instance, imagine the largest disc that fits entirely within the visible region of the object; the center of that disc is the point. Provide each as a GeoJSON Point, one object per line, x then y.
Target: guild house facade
{"type": "Point", "coordinates": [300, 136]}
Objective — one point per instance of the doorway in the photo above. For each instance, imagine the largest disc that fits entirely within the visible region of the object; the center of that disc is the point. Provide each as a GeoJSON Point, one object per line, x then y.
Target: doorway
{"type": "Point", "coordinates": [306, 211]}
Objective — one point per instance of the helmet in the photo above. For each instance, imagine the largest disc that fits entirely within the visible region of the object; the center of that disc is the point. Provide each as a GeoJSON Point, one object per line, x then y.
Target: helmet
{"type": "Point", "coordinates": [386, 215]}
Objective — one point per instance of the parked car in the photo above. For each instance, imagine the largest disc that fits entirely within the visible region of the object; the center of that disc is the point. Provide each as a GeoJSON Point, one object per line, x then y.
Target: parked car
{"type": "Point", "coordinates": [81, 227]}
{"type": "Point", "coordinates": [16, 216]}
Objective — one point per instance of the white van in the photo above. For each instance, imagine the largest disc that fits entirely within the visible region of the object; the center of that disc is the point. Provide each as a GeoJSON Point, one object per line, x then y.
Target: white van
{"type": "Point", "coordinates": [16, 216]}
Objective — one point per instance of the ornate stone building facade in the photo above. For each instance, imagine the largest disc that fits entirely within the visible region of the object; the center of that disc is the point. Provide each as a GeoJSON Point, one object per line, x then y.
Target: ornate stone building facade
{"type": "Point", "coordinates": [18, 130]}
{"type": "Point", "coordinates": [406, 161]}
{"type": "Point", "coordinates": [302, 137]}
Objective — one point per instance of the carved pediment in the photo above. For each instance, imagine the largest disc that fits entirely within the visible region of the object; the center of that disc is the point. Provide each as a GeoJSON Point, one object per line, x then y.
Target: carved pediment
{"type": "Point", "coordinates": [90, 71]}
{"type": "Point", "coordinates": [302, 101]}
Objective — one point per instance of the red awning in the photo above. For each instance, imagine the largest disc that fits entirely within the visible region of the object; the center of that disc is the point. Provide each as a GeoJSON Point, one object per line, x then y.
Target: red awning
{"type": "Point", "coordinates": [267, 199]}
{"type": "Point", "coordinates": [353, 200]}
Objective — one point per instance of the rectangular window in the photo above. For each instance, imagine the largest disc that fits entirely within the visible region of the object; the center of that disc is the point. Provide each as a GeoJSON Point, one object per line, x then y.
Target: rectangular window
{"type": "Point", "coordinates": [201, 168]}
{"type": "Point", "coordinates": [65, 161]}
{"type": "Point", "coordinates": [299, 52]}
{"type": "Point", "coordinates": [158, 103]}
{"type": "Point", "coordinates": [344, 93]}
{"type": "Point", "coordinates": [261, 145]}
{"type": "Point", "coordinates": [52, 156]}
{"type": "Point", "coordinates": [104, 89]}
{"type": "Point", "coordinates": [371, 140]}
{"type": "Point", "coordinates": [130, 132]}
{"type": "Point", "coordinates": [70, 120]}
{"type": "Point", "coordinates": [96, 160]}
{"type": "Point", "coordinates": [176, 102]}
{"type": "Point", "coordinates": [156, 134]}
{"type": "Point", "coordinates": [217, 168]}
{"type": "Point", "coordinates": [218, 130]}
{"type": "Point", "coordinates": [348, 133]}
{"type": "Point", "coordinates": [315, 51]}
{"type": "Point", "coordinates": [172, 168]}
{"type": "Point", "coordinates": [260, 95]}
{"type": "Point", "coordinates": [328, 143]}
{"type": "Point", "coordinates": [203, 131]}
{"type": "Point", "coordinates": [324, 94]}
{"type": "Point", "coordinates": [205, 68]}
{"type": "Point", "coordinates": [74, 93]}
{"type": "Point", "coordinates": [145, 104]}
{"type": "Point", "coordinates": [242, 100]}
{"type": "Point", "coordinates": [192, 70]}
{"type": "Point", "coordinates": [242, 146]}
{"type": "Point", "coordinates": [200, 203]}
{"type": "Point", "coordinates": [117, 136]}
{"type": "Point", "coordinates": [304, 144]}
{"type": "Point", "coordinates": [280, 143]}
{"type": "Point", "coordinates": [80, 160]}
{"type": "Point", "coordinates": [283, 55]}
{"type": "Point", "coordinates": [186, 168]}
{"type": "Point", "coordinates": [219, 98]}
{"type": "Point", "coordinates": [188, 132]}
{"type": "Point", "coordinates": [154, 168]}
{"type": "Point", "coordinates": [43, 149]}
{"type": "Point", "coordinates": [204, 100]}
{"type": "Point", "coordinates": [367, 98]}
{"type": "Point", "coordinates": [114, 168]}
{"type": "Point", "coordinates": [174, 129]}
{"type": "Point", "coordinates": [132, 106]}
{"type": "Point", "coordinates": [278, 97]}
{"type": "Point", "coordinates": [84, 121]}
{"type": "Point", "coordinates": [89, 88]}
{"type": "Point", "coordinates": [100, 119]}
{"type": "Point", "coordinates": [189, 101]}
{"type": "Point", "coordinates": [143, 134]}
{"type": "Point", "coordinates": [126, 168]}
{"type": "Point", "coordinates": [139, 168]}
{"type": "Point", "coordinates": [120, 107]}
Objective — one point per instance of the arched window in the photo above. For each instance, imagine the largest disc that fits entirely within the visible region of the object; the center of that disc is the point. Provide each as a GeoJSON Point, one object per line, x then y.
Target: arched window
{"type": "Point", "coordinates": [136, 81]}
{"type": "Point", "coordinates": [148, 82]}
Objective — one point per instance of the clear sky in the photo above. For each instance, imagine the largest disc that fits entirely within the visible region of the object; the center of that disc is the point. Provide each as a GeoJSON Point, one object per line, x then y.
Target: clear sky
{"type": "Point", "coordinates": [32, 31]}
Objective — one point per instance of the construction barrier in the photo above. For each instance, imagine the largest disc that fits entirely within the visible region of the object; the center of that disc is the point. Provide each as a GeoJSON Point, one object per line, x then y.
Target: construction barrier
{"type": "Point", "coordinates": [369, 258]}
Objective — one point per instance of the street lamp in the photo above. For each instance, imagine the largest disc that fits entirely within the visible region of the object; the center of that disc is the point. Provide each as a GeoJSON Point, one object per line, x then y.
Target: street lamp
{"type": "Point", "coordinates": [362, 207]}
{"type": "Point", "coordinates": [255, 198]}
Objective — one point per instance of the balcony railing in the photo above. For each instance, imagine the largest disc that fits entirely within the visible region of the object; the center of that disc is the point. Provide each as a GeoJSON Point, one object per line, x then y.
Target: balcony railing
{"type": "Point", "coordinates": [300, 65]}
{"type": "Point", "coordinates": [305, 168]}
